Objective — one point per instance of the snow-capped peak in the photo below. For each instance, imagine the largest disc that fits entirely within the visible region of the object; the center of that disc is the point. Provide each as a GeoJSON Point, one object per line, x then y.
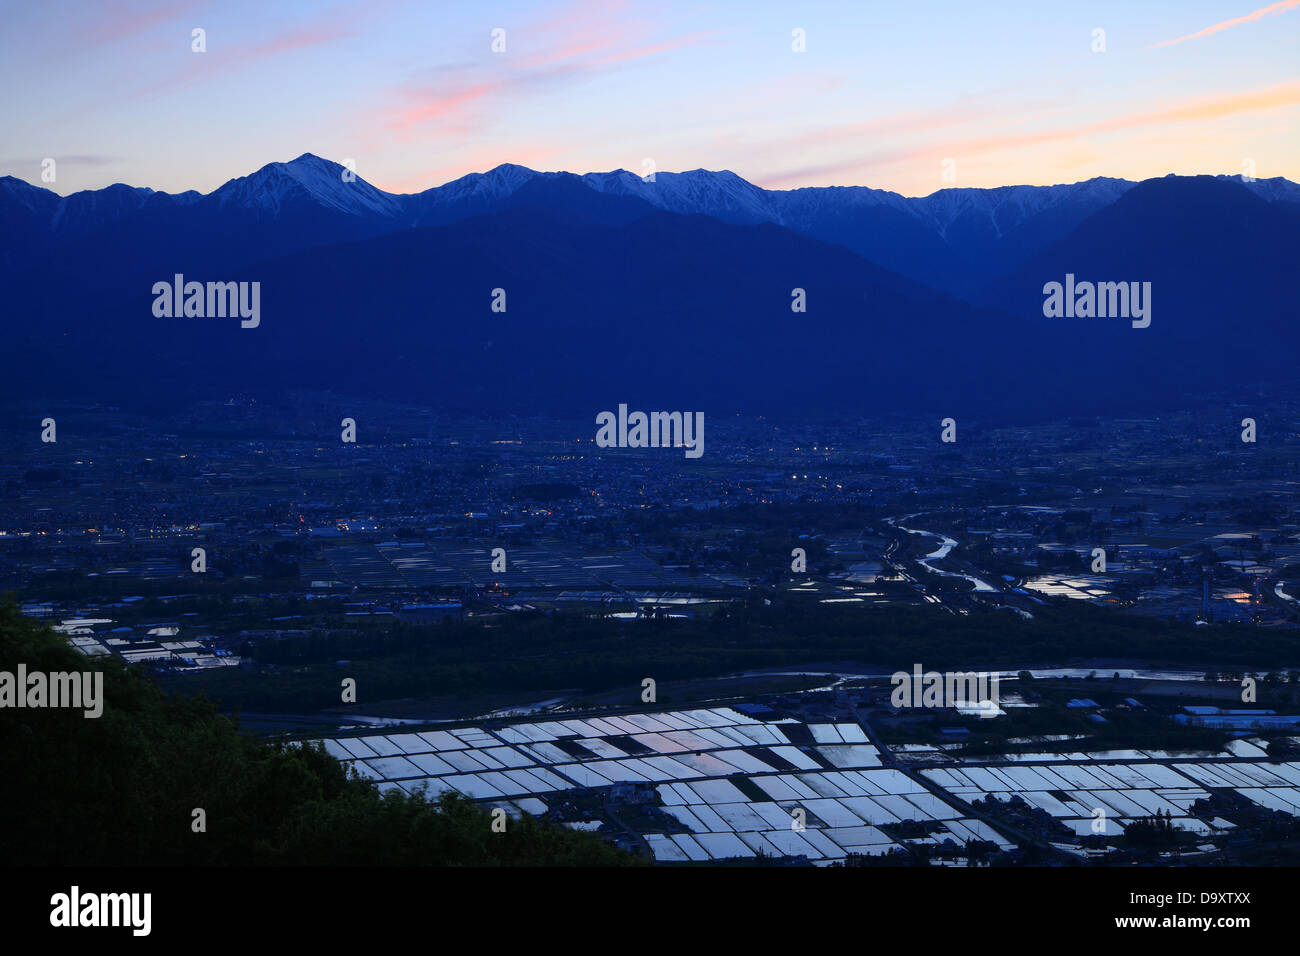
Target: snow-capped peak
{"type": "Point", "coordinates": [308, 177]}
{"type": "Point", "coordinates": [496, 182]}
{"type": "Point", "coordinates": [719, 193]}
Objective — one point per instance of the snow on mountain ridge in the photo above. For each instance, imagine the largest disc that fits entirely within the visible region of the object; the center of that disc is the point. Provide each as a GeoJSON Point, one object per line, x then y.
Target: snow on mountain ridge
{"type": "Point", "coordinates": [1007, 206]}
{"type": "Point", "coordinates": [311, 177]}
{"type": "Point", "coordinates": [84, 206]}
{"type": "Point", "coordinates": [1278, 188]}
{"type": "Point", "coordinates": [719, 193]}
{"type": "Point", "coordinates": [499, 181]}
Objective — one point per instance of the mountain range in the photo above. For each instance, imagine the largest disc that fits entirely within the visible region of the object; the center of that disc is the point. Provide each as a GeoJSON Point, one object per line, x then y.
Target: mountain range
{"type": "Point", "coordinates": [676, 292]}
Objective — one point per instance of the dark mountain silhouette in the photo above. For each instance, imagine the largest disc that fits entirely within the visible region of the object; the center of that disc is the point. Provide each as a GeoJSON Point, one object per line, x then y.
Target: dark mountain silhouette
{"type": "Point", "coordinates": [612, 297]}
{"type": "Point", "coordinates": [1223, 266]}
{"type": "Point", "coordinates": [953, 239]}
{"type": "Point", "coordinates": [674, 311]}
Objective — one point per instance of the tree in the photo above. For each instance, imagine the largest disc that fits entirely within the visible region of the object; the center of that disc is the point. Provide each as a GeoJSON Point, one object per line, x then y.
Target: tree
{"type": "Point", "coordinates": [121, 789]}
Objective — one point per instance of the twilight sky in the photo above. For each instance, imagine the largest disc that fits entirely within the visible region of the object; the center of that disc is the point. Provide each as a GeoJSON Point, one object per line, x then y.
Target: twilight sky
{"type": "Point", "coordinates": [411, 91]}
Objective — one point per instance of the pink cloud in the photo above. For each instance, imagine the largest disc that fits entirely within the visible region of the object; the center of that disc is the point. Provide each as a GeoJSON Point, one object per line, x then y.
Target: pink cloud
{"type": "Point", "coordinates": [470, 163]}
{"type": "Point", "coordinates": [443, 105]}
{"type": "Point", "coordinates": [328, 27]}
{"type": "Point", "coordinates": [1204, 109]}
{"type": "Point", "coordinates": [650, 49]}
{"type": "Point", "coordinates": [121, 21]}
{"type": "Point", "coordinates": [1271, 10]}
{"type": "Point", "coordinates": [584, 38]}
{"type": "Point", "coordinates": [217, 61]}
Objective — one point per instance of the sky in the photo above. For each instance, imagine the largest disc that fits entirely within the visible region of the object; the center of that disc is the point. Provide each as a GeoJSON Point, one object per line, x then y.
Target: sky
{"type": "Point", "coordinates": [906, 95]}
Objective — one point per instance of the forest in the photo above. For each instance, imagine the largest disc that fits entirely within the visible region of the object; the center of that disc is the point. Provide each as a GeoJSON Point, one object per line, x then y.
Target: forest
{"type": "Point", "coordinates": [164, 779]}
